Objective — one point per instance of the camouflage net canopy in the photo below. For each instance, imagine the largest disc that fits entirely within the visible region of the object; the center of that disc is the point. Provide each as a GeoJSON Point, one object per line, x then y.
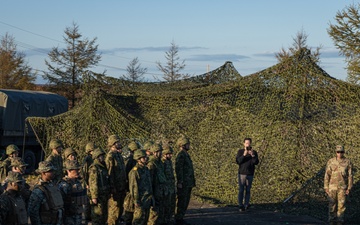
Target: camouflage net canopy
{"type": "Point", "coordinates": [294, 111]}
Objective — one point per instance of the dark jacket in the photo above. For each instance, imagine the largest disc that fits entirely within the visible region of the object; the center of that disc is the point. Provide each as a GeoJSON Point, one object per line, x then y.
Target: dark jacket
{"type": "Point", "coordinates": [247, 163]}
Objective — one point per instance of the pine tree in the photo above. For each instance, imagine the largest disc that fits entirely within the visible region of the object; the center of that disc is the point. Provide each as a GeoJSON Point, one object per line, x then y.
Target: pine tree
{"type": "Point", "coordinates": [72, 64]}
{"type": "Point", "coordinates": [345, 35]}
{"type": "Point", "coordinates": [14, 71]}
{"type": "Point", "coordinates": [134, 70]}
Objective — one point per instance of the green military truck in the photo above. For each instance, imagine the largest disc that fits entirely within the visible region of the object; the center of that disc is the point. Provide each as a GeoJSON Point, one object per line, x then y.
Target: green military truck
{"type": "Point", "coordinates": [15, 107]}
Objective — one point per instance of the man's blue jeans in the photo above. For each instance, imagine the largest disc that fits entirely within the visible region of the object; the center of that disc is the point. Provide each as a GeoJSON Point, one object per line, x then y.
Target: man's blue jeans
{"type": "Point", "coordinates": [245, 182]}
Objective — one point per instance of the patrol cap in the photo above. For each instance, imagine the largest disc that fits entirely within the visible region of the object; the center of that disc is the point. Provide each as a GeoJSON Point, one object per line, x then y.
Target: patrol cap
{"type": "Point", "coordinates": [98, 152]}
{"type": "Point", "coordinates": [90, 146]}
{"type": "Point", "coordinates": [71, 165]}
{"type": "Point", "coordinates": [340, 148]}
{"type": "Point", "coordinates": [69, 151]}
{"type": "Point", "coordinates": [112, 139]}
{"type": "Point", "coordinates": [139, 154]}
{"type": "Point", "coordinates": [14, 177]}
{"type": "Point", "coordinates": [134, 145]}
{"type": "Point", "coordinates": [18, 162]}
{"type": "Point", "coordinates": [55, 143]}
{"type": "Point", "coordinates": [155, 148]}
{"type": "Point", "coordinates": [11, 149]}
{"type": "Point", "coordinates": [182, 141]}
{"type": "Point", "coordinates": [45, 166]}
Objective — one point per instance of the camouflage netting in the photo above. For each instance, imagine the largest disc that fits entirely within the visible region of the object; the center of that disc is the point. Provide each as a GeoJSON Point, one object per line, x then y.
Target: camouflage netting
{"type": "Point", "coordinates": [294, 112]}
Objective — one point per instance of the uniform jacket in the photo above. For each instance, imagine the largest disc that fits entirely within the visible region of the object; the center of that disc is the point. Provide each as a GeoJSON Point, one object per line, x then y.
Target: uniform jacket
{"type": "Point", "coordinates": [98, 180]}
{"type": "Point", "coordinates": [156, 168]}
{"type": "Point", "coordinates": [12, 209]}
{"type": "Point", "coordinates": [140, 186]}
{"type": "Point", "coordinates": [338, 174]}
{"type": "Point", "coordinates": [169, 174]}
{"type": "Point", "coordinates": [184, 169]}
{"type": "Point", "coordinates": [74, 195]}
{"type": "Point", "coordinates": [116, 169]}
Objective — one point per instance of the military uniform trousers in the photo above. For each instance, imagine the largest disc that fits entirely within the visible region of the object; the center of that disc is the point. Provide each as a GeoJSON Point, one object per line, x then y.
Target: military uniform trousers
{"type": "Point", "coordinates": [73, 220]}
{"type": "Point", "coordinates": [99, 211]}
{"type": "Point", "coordinates": [157, 212]}
{"type": "Point", "coordinates": [337, 199]}
{"type": "Point", "coordinates": [141, 215]}
{"type": "Point", "coordinates": [169, 206]}
{"type": "Point", "coordinates": [116, 207]}
{"type": "Point", "coordinates": [182, 202]}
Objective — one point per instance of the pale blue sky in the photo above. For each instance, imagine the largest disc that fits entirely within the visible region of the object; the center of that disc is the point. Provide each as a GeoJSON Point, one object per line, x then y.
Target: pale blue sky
{"type": "Point", "coordinates": [208, 33]}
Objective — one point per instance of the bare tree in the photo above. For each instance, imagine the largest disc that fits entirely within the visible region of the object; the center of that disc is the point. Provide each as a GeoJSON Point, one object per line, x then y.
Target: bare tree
{"type": "Point", "coordinates": [173, 65]}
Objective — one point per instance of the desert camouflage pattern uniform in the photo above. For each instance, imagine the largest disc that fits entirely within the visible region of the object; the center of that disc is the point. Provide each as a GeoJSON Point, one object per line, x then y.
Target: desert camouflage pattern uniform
{"type": "Point", "coordinates": [338, 178]}
{"type": "Point", "coordinates": [141, 193]}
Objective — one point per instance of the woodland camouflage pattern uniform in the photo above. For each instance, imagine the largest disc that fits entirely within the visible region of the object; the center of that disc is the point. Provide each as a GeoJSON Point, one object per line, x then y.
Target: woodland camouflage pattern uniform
{"type": "Point", "coordinates": [337, 181]}
{"type": "Point", "coordinates": [117, 177]}
{"type": "Point", "coordinates": [130, 162]}
{"type": "Point", "coordinates": [56, 159]}
{"type": "Point", "coordinates": [140, 190]}
{"type": "Point", "coordinates": [185, 179]}
{"type": "Point", "coordinates": [156, 168]}
{"type": "Point", "coordinates": [12, 206]}
{"type": "Point", "coordinates": [87, 161]}
{"type": "Point", "coordinates": [5, 165]}
{"type": "Point", "coordinates": [170, 201]}
{"type": "Point", "coordinates": [46, 203]}
{"type": "Point", "coordinates": [99, 186]}
{"type": "Point", "coordinates": [74, 195]}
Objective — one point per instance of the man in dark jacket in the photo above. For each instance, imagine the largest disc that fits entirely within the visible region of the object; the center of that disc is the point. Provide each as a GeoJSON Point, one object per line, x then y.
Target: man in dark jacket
{"type": "Point", "coordinates": [246, 158]}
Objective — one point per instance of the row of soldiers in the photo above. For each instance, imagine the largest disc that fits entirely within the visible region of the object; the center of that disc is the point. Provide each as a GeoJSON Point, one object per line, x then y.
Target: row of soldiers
{"type": "Point", "coordinates": [106, 188]}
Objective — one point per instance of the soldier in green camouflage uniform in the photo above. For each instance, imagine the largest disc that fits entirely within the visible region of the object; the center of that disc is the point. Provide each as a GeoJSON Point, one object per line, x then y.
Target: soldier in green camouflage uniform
{"type": "Point", "coordinates": [99, 188]}
{"type": "Point", "coordinates": [55, 158]}
{"type": "Point", "coordinates": [73, 193]}
{"type": "Point", "coordinates": [87, 161]}
{"type": "Point", "coordinates": [140, 186]}
{"type": "Point", "coordinates": [338, 182]}
{"type": "Point", "coordinates": [130, 162]}
{"type": "Point", "coordinates": [156, 168]}
{"type": "Point", "coordinates": [46, 205]}
{"type": "Point", "coordinates": [12, 206]}
{"type": "Point", "coordinates": [117, 175]}
{"type": "Point", "coordinates": [170, 201]}
{"type": "Point", "coordinates": [12, 151]}
{"type": "Point", "coordinates": [185, 179]}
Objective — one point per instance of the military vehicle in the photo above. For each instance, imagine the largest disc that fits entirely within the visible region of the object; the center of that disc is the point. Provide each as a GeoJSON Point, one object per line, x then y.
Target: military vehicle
{"type": "Point", "coordinates": [15, 107]}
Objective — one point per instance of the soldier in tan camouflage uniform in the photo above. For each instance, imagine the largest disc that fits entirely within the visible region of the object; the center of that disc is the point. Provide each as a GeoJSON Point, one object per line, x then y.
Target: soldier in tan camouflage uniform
{"type": "Point", "coordinates": [12, 206]}
{"type": "Point", "coordinates": [74, 194]}
{"type": "Point", "coordinates": [130, 162]}
{"type": "Point", "coordinates": [338, 182]}
{"type": "Point", "coordinates": [12, 151]}
{"type": "Point", "coordinates": [185, 178]}
{"type": "Point", "coordinates": [46, 204]}
{"type": "Point", "coordinates": [55, 158]}
{"type": "Point", "coordinates": [140, 189]}
{"type": "Point", "coordinates": [87, 161]}
{"type": "Point", "coordinates": [99, 188]}
{"type": "Point", "coordinates": [117, 176]}
{"type": "Point", "coordinates": [170, 202]}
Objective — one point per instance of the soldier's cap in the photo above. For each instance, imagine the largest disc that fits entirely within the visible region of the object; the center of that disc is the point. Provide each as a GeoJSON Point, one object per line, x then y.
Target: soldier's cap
{"type": "Point", "coordinates": [14, 177]}
{"type": "Point", "coordinates": [45, 166]}
{"type": "Point", "coordinates": [18, 162]}
{"type": "Point", "coordinates": [71, 165]}
{"type": "Point", "coordinates": [340, 148]}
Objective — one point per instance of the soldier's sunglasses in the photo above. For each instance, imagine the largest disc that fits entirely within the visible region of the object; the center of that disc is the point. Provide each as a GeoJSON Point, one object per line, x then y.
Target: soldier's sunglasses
{"type": "Point", "coordinates": [339, 152]}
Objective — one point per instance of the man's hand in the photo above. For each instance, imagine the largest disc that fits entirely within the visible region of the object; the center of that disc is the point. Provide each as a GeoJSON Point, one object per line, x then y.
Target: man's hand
{"type": "Point", "coordinates": [347, 192]}
{"type": "Point", "coordinates": [245, 152]}
{"type": "Point", "coordinates": [327, 191]}
{"type": "Point", "coordinates": [94, 200]}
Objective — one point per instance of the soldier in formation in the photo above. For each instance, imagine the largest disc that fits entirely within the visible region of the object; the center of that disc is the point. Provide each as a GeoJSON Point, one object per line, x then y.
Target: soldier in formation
{"type": "Point", "coordinates": [73, 193]}
{"type": "Point", "coordinates": [141, 189]}
{"type": "Point", "coordinates": [117, 177]}
{"type": "Point", "coordinates": [170, 198]}
{"type": "Point", "coordinates": [12, 151]}
{"type": "Point", "coordinates": [46, 204]}
{"type": "Point", "coordinates": [12, 205]}
{"type": "Point", "coordinates": [338, 182]}
{"type": "Point", "coordinates": [55, 158]}
{"type": "Point", "coordinates": [185, 178]}
{"type": "Point", "coordinates": [99, 187]}
{"type": "Point", "coordinates": [87, 161]}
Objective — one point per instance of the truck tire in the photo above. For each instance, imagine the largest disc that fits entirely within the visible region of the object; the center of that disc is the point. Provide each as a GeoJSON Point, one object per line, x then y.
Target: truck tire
{"type": "Point", "coordinates": [30, 159]}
